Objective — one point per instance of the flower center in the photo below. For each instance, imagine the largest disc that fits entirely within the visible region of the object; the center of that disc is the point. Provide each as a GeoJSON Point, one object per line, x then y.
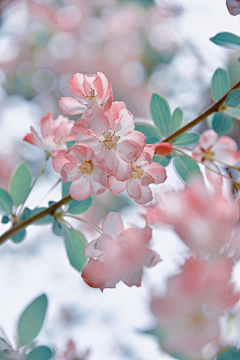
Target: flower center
{"type": "Point", "coordinates": [110, 139]}
{"type": "Point", "coordinates": [137, 172]}
{"type": "Point", "coordinates": [60, 140]}
{"type": "Point", "coordinates": [207, 154]}
{"type": "Point", "coordinates": [86, 167]}
{"type": "Point", "coordinates": [91, 95]}
{"type": "Point", "coordinates": [197, 319]}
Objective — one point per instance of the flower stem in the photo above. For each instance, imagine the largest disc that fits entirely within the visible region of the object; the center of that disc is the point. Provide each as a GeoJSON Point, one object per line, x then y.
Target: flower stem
{"type": "Point", "coordinates": [69, 225]}
{"type": "Point", "coordinates": [85, 222]}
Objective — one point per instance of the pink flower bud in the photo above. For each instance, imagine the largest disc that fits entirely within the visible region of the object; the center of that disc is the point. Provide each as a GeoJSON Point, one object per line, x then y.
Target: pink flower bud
{"type": "Point", "coordinates": [163, 149]}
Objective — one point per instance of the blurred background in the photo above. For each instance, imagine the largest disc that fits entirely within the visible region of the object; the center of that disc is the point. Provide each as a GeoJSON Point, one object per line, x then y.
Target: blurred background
{"type": "Point", "coordinates": [142, 46]}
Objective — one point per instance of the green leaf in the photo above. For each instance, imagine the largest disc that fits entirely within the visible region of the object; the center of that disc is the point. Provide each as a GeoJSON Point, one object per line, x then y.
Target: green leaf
{"type": "Point", "coordinates": [20, 184]}
{"type": "Point", "coordinates": [179, 356]}
{"type": "Point", "coordinates": [66, 188]}
{"type": "Point", "coordinates": [40, 353]}
{"type": "Point", "coordinates": [222, 123]}
{"type": "Point", "coordinates": [210, 119]}
{"type": "Point", "coordinates": [227, 39]}
{"type": "Point", "coordinates": [220, 84]}
{"type": "Point", "coordinates": [176, 120]}
{"type": "Point", "coordinates": [234, 113]}
{"type": "Point", "coordinates": [5, 201]}
{"type": "Point", "coordinates": [163, 160]}
{"type": "Point", "coordinates": [5, 219]}
{"type": "Point", "coordinates": [31, 320]}
{"type": "Point", "coordinates": [79, 207]}
{"type": "Point", "coordinates": [25, 214]}
{"type": "Point", "coordinates": [48, 219]}
{"type": "Point", "coordinates": [161, 114]}
{"type": "Point", "coordinates": [58, 228]}
{"type": "Point", "coordinates": [74, 246]}
{"type": "Point", "coordinates": [229, 354]}
{"type": "Point", "coordinates": [70, 143]}
{"type": "Point", "coordinates": [151, 133]}
{"type": "Point", "coordinates": [186, 167]}
{"type": "Point", "coordinates": [233, 98]}
{"type": "Point", "coordinates": [186, 139]}
{"type": "Point", "coordinates": [17, 238]}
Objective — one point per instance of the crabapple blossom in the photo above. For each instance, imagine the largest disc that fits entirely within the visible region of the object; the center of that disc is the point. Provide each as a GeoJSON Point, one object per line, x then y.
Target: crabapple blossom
{"type": "Point", "coordinates": [188, 315]}
{"type": "Point", "coordinates": [210, 148]}
{"type": "Point", "coordinates": [118, 255]}
{"type": "Point", "coordinates": [86, 170]}
{"type": "Point", "coordinates": [55, 133]}
{"type": "Point", "coordinates": [203, 220]}
{"type": "Point", "coordinates": [112, 135]}
{"type": "Point", "coordinates": [70, 353]}
{"type": "Point", "coordinates": [88, 90]}
{"type": "Point", "coordinates": [144, 173]}
{"type": "Point", "coordinates": [233, 7]}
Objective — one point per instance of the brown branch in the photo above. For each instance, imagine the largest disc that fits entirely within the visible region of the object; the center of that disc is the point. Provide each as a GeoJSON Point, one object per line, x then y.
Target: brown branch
{"type": "Point", "coordinates": [211, 109]}
{"type": "Point", "coordinates": [24, 223]}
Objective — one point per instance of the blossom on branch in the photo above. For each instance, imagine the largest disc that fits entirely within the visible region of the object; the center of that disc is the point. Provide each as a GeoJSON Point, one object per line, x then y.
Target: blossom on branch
{"type": "Point", "coordinates": [233, 7]}
{"type": "Point", "coordinates": [86, 170]}
{"type": "Point", "coordinates": [112, 135]}
{"type": "Point", "coordinates": [88, 90]}
{"type": "Point", "coordinates": [55, 133]}
{"type": "Point", "coordinates": [118, 255]}
{"type": "Point", "coordinates": [210, 148]}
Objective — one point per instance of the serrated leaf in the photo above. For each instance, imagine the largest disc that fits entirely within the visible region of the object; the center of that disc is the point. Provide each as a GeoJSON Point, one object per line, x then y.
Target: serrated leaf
{"type": "Point", "coordinates": [65, 188]}
{"type": "Point", "coordinates": [229, 354]}
{"type": "Point", "coordinates": [79, 207]}
{"type": "Point", "coordinates": [58, 228]}
{"type": "Point", "coordinates": [70, 143]}
{"type": "Point", "coordinates": [226, 39]}
{"type": "Point", "coordinates": [20, 184]}
{"type": "Point", "coordinates": [151, 132]}
{"type": "Point", "coordinates": [220, 84]}
{"type": "Point", "coordinates": [160, 111]}
{"type": "Point", "coordinates": [186, 139]}
{"type": "Point", "coordinates": [5, 201]}
{"type": "Point", "coordinates": [40, 353]}
{"type": "Point", "coordinates": [186, 167]}
{"type": "Point", "coordinates": [46, 220]}
{"type": "Point", "coordinates": [222, 123]}
{"type": "Point", "coordinates": [19, 237]}
{"type": "Point", "coordinates": [74, 246]}
{"type": "Point", "coordinates": [31, 320]}
{"type": "Point", "coordinates": [233, 98]}
{"type": "Point", "coordinates": [176, 120]}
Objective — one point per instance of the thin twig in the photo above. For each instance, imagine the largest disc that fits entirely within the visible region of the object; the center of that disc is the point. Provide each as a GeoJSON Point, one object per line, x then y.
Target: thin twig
{"type": "Point", "coordinates": [85, 222]}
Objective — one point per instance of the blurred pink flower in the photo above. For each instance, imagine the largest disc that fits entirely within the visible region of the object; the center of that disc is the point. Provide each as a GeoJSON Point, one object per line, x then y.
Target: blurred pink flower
{"type": "Point", "coordinates": [88, 90]}
{"type": "Point", "coordinates": [144, 173]}
{"type": "Point", "coordinates": [233, 7]}
{"type": "Point", "coordinates": [55, 133]}
{"type": "Point", "coordinates": [86, 170]}
{"type": "Point", "coordinates": [118, 254]}
{"type": "Point", "coordinates": [210, 148]}
{"type": "Point", "coordinates": [70, 353]}
{"type": "Point", "coordinates": [112, 134]}
{"type": "Point", "coordinates": [188, 315]}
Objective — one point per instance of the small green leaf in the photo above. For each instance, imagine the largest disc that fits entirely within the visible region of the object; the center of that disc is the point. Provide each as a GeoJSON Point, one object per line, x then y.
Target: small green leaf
{"type": "Point", "coordinates": [5, 219]}
{"type": "Point", "coordinates": [227, 39]}
{"type": "Point", "coordinates": [66, 188]}
{"type": "Point", "coordinates": [220, 84]}
{"type": "Point", "coordinates": [229, 354]}
{"type": "Point", "coordinates": [162, 160]}
{"type": "Point", "coordinates": [58, 228]}
{"type": "Point", "coordinates": [79, 207]}
{"type": "Point", "coordinates": [74, 246]}
{"type": "Point", "coordinates": [186, 167]}
{"type": "Point", "coordinates": [70, 143]}
{"type": "Point", "coordinates": [5, 201]}
{"type": "Point", "coordinates": [233, 98]}
{"type": "Point", "coordinates": [31, 320]}
{"type": "Point", "coordinates": [210, 119]}
{"type": "Point", "coordinates": [20, 184]}
{"type": "Point", "coordinates": [48, 219]}
{"type": "Point", "coordinates": [17, 238]}
{"type": "Point", "coordinates": [234, 113]}
{"type": "Point", "coordinates": [151, 133]}
{"type": "Point", "coordinates": [176, 120]}
{"type": "Point", "coordinates": [222, 123]}
{"type": "Point", "coordinates": [161, 114]}
{"type": "Point", "coordinates": [186, 139]}
{"type": "Point", "coordinates": [40, 353]}
{"type": "Point", "coordinates": [25, 214]}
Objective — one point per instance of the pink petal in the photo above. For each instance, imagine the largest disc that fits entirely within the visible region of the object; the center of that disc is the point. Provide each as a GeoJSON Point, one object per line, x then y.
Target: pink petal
{"type": "Point", "coordinates": [97, 120]}
{"type": "Point", "coordinates": [87, 136]}
{"type": "Point", "coordinates": [104, 86]}
{"type": "Point", "coordinates": [112, 224]}
{"type": "Point", "coordinates": [46, 124]}
{"type": "Point", "coordinates": [91, 251]}
{"type": "Point", "coordinates": [233, 7]}
{"type": "Point", "coordinates": [208, 139]}
{"type": "Point", "coordinates": [133, 188]}
{"type": "Point", "coordinates": [70, 171]}
{"type": "Point", "coordinates": [76, 86]}
{"type": "Point", "coordinates": [118, 167]}
{"type": "Point", "coordinates": [124, 125]}
{"type": "Point", "coordinates": [156, 171]}
{"type": "Point", "coordinates": [58, 162]}
{"type": "Point", "coordinates": [97, 83]}
{"type": "Point", "coordinates": [146, 196]}
{"type": "Point", "coordinates": [225, 150]}
{"type": "Point", "coordinates": [80, 189]}
{"type": "Point", "coordinates": [108, 98]}
{"type": "Point", "coordinates": [116, 186]}
{"type": "Point", "coordinates": [95, 274]}
{"type": "Point", "coordinates": [97, 187]}
{"type": "Point", "coordinates": [215, 178]}
{"type": "Point", "coordinates": [131, 146]}
{"type": "Point", "coordinates": [79, 153]}
{"type": "Point", "coordinates": [33, 138]}
{"type": "Point", "coordinates": [71, 106]}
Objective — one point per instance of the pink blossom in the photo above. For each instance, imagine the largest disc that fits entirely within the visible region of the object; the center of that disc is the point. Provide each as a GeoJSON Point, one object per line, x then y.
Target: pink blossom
{"type": "Point", "coordinates": [88, 90]}
{"type": "Point", "coordinates": [118, 254]}
{"type": "Point", "coordinates": [233, 7]}
{"type": "Point", "coordinates": [188, 315]}
{"type": "Point", "coordinates": [210, 148]}
{"type": "Point", "coordinates": [70, 353]}
{"type": "Point", "coordinates": [203, 220]}
{"type": "Point", "coordinates": [86, 170]}
{"type": "Point", "coordinates": [55, 133]}
{"type": "Point", "coordinates": [112, 135]}
{"type": "Point", "coordinates": [144, 173]}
